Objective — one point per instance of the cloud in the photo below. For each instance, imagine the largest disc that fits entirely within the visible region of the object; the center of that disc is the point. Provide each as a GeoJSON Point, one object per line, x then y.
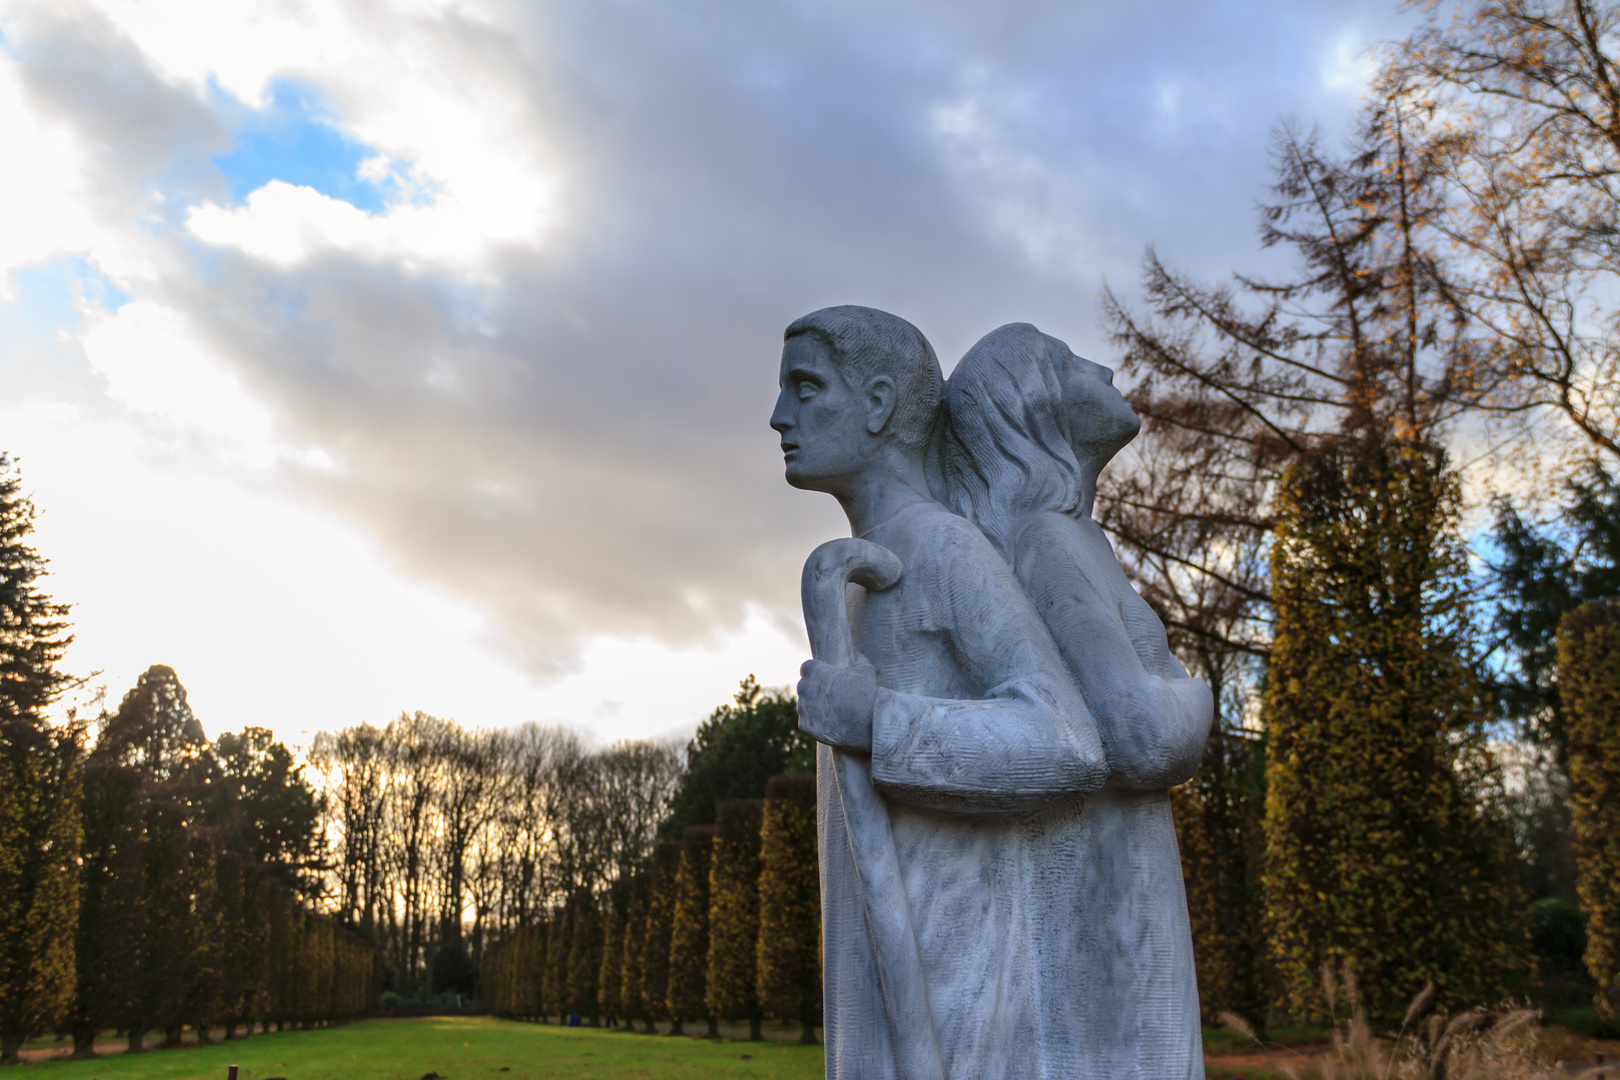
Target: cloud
{"type": "Point", "coordinates": [522, 329]}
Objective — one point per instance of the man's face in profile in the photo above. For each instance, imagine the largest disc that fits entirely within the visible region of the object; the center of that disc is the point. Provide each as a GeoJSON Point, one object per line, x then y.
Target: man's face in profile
{"type": "Point", "coordinates": [821, 418]}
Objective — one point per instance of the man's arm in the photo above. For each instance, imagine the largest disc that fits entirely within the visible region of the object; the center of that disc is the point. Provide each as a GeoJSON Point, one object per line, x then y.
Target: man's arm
{"type": "Point", "coordinates": [1025, 741]}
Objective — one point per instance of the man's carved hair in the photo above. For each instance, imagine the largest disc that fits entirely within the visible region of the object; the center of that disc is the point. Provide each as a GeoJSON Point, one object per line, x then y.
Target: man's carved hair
{"type": "Point", "coordinates": [865, 342]}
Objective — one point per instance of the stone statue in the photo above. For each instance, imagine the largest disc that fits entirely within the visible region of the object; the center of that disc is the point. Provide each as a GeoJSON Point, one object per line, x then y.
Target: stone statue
{"type": "Point", "coordinates": [1001, 894]}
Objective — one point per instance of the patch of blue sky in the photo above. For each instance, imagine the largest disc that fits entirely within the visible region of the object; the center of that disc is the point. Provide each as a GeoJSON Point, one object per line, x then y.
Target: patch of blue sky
{"type": "Point", "coordinates": [296, 138]}
{"type": "Point", "coordinates": [54, 293]}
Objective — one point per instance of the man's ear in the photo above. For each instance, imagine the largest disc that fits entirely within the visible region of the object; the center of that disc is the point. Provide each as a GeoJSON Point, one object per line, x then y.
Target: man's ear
{"type": "Point", "coordinates": [880, 399]}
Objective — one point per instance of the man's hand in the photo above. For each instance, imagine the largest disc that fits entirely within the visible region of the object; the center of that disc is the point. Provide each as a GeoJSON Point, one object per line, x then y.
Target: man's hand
{"type": "Point", "coordinates": [835, 704]}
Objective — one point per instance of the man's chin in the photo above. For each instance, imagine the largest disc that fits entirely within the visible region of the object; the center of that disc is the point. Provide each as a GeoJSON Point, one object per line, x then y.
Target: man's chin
{"type": "Point", "coordinates": [804, 481]}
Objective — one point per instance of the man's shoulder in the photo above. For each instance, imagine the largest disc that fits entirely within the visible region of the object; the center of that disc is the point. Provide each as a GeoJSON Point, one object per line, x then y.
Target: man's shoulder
{"type": "Point", "coordinates": [929, 535]}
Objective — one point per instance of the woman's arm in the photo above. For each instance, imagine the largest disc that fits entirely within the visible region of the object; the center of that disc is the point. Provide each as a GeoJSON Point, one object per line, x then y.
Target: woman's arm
{"type": "Point", "coordinates": [1154, 724]}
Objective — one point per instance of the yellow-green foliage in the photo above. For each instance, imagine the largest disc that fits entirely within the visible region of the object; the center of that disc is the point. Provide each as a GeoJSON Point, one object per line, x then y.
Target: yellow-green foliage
{"type": "Point", "coordinates": [660, 916]}
{"type": "Point", "coordinates": [555, 982]}
{"type": "Point", "coordinates": [39, 890]}
{"type": "Point", "coordinates": [734, 911]}
{"type": "Point", "coordinates": [1382, 850]}
{"type": "Point", "coordinates": [1218, 818]}
{"type": "Point", "coordinates": [509, 976]}
{"type": "Point", "coordinates": [790, 901]}
{"type": "Point", "coordinates": [584, 956]}
{"type": "Point", "coordinates": [1589, 683]}
{"type": "Point", "coordinates": [610, 968]}
{"type": "Point", "coordinates": [632, 1006]}
{"type": "Point", "coordinates": [689, 927]}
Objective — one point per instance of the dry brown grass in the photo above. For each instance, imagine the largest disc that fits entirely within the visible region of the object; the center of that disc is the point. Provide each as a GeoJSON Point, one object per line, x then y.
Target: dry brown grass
{"type": "Point", "coordinates": [1505, 1044]}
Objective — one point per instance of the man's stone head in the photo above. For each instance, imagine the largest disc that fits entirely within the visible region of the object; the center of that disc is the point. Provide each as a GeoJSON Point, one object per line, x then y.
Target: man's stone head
{"type": "Point", "coordinates": [854, 379]}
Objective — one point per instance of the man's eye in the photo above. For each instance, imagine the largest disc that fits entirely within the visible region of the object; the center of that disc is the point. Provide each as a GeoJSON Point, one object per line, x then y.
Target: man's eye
{"type": "Point", "coordinates": [807, 390]}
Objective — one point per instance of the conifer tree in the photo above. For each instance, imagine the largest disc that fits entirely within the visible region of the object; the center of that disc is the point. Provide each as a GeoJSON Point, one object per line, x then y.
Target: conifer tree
{"type": "Point", "coordinates": [112, 913]}
{"type": "Point", "coordinates": [39, 789]}
{"type": "Point", "coordinates": [689, 930]}
{"type": "Point", "coordinates": [660, 917]}
{"type": "Point", "coordinates": [1589, 680]}
{"type": "Point", "coordinates": [734, 914]}
{"type": "Point", "coordinates": [1382, 848]}
{"type": "Point", "coordinates": [790, 903]}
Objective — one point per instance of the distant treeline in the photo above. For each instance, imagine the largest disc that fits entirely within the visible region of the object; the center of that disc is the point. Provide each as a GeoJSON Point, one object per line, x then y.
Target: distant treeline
{"type": "Point", "coordinates": [446, 839]}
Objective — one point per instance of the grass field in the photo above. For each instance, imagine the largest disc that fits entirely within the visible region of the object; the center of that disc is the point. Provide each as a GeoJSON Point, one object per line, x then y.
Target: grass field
{"type": "Point", "coordinates": [456, 1048]}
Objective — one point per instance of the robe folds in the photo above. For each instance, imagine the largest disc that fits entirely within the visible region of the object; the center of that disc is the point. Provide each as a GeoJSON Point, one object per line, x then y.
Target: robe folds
{"type": "Point", "coordinates": [1047, 908]}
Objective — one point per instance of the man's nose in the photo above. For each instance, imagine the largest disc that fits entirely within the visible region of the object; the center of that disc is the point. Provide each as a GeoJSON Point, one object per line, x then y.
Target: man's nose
{"type": "Point", "coordinates": [781, 418]}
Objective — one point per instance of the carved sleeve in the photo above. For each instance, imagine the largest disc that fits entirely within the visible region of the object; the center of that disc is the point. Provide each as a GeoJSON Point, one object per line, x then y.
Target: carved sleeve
{"type": "Point", "coordinates": [1023, 740]}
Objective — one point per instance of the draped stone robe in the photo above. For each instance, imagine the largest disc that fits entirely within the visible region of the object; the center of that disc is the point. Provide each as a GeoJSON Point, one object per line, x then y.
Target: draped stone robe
{"type": "Point", "coordinates": [1019, 878]}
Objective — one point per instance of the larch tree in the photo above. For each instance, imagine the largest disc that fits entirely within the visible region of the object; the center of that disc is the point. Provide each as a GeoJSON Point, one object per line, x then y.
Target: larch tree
{"type": "Point", "coordinates": [40, 783]}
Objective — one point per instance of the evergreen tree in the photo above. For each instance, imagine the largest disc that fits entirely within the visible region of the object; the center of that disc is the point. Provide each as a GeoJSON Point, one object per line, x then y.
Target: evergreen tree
{"type": "Point", "coordinates": [39, 789]}
{"type": "Point", "coordinates": [1382, 849]}
{"type": "Point", "coordinates": [112, 910]}
{"type": "Point", "coordinates": [734, 914]}
{"type": "Point", "coordinates": [1544, 570]}
{"type": "Point", "coordinates": [735, 751]}
{"type": "Point", "coordinates": [1589, 677]}
{"type": "Point", "coordinates": [264, 809]}
{"type": "Point", "coordinates": [790, 903]}
{"type": "Point", "coordinates": [689, 930]}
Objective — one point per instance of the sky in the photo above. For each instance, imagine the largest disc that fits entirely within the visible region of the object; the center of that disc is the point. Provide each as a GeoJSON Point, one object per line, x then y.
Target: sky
{"type": "Point", "coordinates": [417, 354]}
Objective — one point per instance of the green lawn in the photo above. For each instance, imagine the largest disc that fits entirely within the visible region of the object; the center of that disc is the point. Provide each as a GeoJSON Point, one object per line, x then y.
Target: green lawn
{"type": "Point", "coordinates": [456, 1048]}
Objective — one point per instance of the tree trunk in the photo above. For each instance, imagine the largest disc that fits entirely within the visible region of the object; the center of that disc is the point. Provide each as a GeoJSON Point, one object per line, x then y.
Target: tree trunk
{"type": "Point", "coordinates": [84, 1043]}
{"type": "Point", "coordinates": [714, 1028]}
{"type": "Point", "coordinates": [808, 1036]}
{"type": "Point", "coordinates": [137, 1040]}
{"type": "Point", "coordinates": [754, 1034]}
{"type": "Point", "coordinates": [10, 1045]}
{"type": "Point", "coordinates": [675, 1028]}
{"type": "Point", "coordinates": [652, 1028]}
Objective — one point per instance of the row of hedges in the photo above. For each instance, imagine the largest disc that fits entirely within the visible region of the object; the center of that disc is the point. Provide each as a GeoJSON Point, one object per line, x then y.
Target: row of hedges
{"type": "Point", "coordinates": [725, 924]}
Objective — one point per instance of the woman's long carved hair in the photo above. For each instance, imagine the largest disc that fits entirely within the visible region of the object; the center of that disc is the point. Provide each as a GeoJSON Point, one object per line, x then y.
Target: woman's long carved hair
{"type": "Point", "coordinates": [1004, 448]}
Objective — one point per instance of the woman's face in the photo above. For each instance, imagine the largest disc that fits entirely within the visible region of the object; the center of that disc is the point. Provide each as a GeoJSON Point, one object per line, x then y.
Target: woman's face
{"type": "Point", "coordinates": [1100, 420]}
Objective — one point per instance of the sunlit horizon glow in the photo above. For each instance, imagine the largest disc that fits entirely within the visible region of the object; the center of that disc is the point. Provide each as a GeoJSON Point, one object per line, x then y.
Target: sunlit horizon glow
{"type": "Point", "coordinates": [371, 357]}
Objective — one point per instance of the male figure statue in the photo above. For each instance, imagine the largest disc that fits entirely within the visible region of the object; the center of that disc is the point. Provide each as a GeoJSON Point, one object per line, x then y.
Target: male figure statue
{"type": "Point", "coordinates": [979, 744]}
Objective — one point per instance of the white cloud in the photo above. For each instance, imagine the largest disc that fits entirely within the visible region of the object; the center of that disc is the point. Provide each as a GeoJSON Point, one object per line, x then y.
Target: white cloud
{"type": "Point", "coordinates": [285, 224]}
{"type": "Point", "coordinates": [41, 210]}
{"type": "Point", "coordinates": [153, 363]}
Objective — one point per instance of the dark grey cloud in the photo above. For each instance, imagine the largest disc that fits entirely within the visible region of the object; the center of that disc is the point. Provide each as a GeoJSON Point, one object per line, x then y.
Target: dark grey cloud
{"type": "Point", "coordinates": [579, 441]}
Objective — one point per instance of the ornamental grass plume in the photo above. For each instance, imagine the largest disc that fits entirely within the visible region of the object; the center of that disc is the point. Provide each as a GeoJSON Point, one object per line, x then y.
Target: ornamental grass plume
{"type": "Point", "coordinates": [1502, 1044]}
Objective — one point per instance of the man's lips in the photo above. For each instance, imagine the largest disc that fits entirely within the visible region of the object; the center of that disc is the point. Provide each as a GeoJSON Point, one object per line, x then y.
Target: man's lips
{"type": "Point", "coordinates": [789, 449]}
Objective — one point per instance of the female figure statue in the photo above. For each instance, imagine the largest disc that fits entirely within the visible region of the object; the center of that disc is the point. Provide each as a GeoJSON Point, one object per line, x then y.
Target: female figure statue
{"type": "Point", "coordinates": [1028, 427]}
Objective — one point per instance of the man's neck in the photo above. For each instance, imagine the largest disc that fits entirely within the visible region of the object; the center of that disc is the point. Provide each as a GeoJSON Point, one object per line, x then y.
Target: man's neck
{"type": "Point", "coordinates": [883, 491]}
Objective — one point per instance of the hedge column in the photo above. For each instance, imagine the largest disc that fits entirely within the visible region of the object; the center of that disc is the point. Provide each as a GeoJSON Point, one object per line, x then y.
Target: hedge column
{"type": "Point", "coordinates": [1589, 682]}
{"type": "Point", "coordinates": [734, 914]}
{"type": "Point", "coordinates": [1382, 851]}
{"type": "Point", "coordinates": [790, 903]}
{"type": "Point", "coordinates": [689, 930]}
